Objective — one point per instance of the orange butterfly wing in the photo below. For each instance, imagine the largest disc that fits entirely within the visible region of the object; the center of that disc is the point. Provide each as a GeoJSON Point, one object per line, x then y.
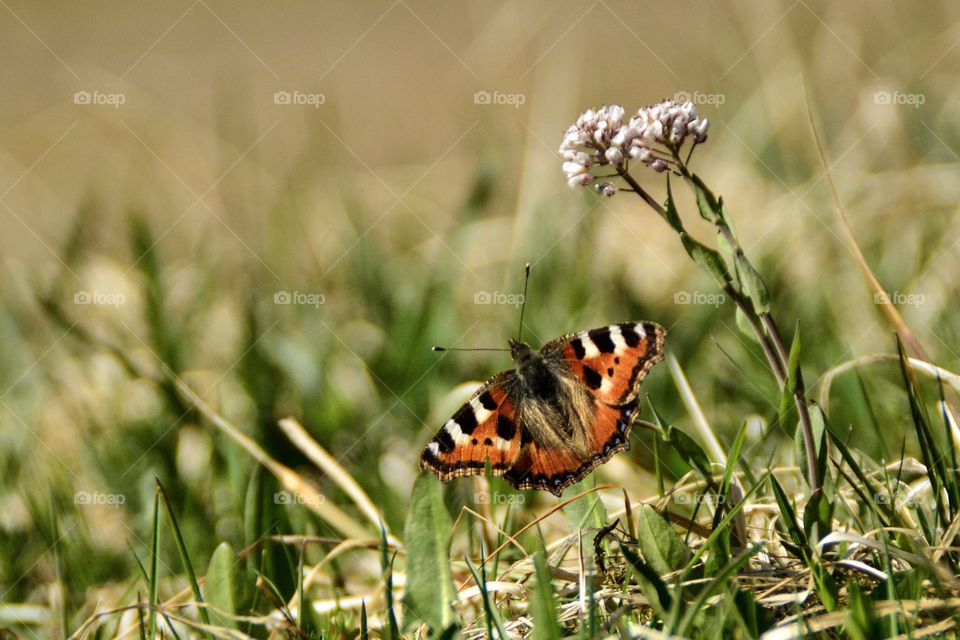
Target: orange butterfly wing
{"type": "Point", "coordinates": [485, 428]}
{"type": "Point", "coordinates": [612, 361]}
{"type": "Point", "coordinates": [554, 469]}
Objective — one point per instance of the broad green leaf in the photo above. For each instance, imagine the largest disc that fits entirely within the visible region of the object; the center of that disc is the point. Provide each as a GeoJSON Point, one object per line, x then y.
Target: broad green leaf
{"type": "Point", "coordinates": [661, 546]}
{"type": "Point", "coordinates": [707, 203]}
{"type": "Point", "coordinates": [708, 259]}
{"type": "Point", "coordinates": [221, 585]}
{"type": "Point", "coordinates": [653, 587]}
{"type": "Point", "coordinates": [430, 592]}
{"type": "Point", "coordinates": [751, 283]}
{"type": "Point", "coordinates": [691, 452]}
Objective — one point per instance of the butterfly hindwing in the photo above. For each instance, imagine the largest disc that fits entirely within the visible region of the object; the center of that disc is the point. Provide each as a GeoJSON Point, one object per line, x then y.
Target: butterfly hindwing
{"type": "Point", "coordinates": [485, 428]}
{"type": "Point", "coordinates": [537, 467]}
{"type": "Point", "coordinates": [611, 361]}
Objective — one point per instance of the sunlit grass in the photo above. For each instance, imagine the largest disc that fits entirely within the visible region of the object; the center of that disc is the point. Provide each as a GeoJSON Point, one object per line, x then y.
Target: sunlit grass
{"type": "Point", "coordinates": [166, 355]}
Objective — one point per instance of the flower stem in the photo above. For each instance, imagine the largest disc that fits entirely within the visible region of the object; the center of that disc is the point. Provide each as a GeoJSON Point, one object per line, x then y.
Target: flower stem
{"type": "Point", "coordinates": [763, 325]}
{"type": "Point", "coordinates": [640, 191]}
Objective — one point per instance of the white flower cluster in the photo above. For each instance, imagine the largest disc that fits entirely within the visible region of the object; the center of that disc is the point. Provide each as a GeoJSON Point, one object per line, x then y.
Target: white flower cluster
{"type": "Point", "coordinates": [651, 136]}
{"type": "Point", "coordinates": [588, 143]}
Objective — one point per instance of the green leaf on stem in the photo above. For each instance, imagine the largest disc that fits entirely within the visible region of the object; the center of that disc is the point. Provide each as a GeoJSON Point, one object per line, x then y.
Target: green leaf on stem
{"type": "Point", "coordinates": [708, 204]}
{"type": "Point", "coordinates": [691, 452]}
{"type": "Point", "coordinates": [745, 327]}
{"type": "Point", "coordinates": [662, 547]}
{"type": "Point", "coordinates": [709, 259]}
{"type": "Point", "coordinates": [793, 375]}
{"type": "Point", "coordinates": [751, 284]}
{"type": "Point", "coordinates": [670, 210]}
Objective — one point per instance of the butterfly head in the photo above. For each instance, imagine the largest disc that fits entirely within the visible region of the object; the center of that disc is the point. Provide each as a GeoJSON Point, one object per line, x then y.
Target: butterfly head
{"type": "Point", "coordinates": [520, 351]}
{"type": "Point", "coordinates": [532, 370]}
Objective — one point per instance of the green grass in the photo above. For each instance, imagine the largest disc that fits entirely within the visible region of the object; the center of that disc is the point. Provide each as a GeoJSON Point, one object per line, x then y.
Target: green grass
{"type": "Point", "coordinates": [150, 485]}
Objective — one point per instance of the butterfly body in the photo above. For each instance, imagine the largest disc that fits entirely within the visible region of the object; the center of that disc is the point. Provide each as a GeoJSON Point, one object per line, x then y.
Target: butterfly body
{"type": "Point", "coordinates": [559, 413]}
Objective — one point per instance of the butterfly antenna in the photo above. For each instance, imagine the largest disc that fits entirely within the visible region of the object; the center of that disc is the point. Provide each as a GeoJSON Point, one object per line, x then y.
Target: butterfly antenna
{"type": "Point", "coordinates": [441, 349]}
{"type": "Point", "coordinates": [523, 302]}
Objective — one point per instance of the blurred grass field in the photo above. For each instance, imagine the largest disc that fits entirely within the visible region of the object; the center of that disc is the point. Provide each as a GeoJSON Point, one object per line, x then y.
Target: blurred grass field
{"type": "Point", "coordinates": [163, 201]}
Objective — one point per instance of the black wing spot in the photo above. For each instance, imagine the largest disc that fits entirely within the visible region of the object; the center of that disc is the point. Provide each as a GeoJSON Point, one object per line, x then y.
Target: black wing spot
{"type": "Point", "coordinates": [630, 335]}
{"type": "Point", "coordinates": [488, 442]}
{"type": "Point", "coordinates": [601, 338]}
{"type": "Point", "coordinates": [594, 379]}
{"type": "Point", "coordinates": [616, 360]}
{"type": "Point", "coordinates": [487, 401]}
{"type": "Point", "coordinates": [578, 349]}
{"type": "Point", "coordinates": [506, 428]}
{"type": "Point", "coordinates": [445, 440]}
{"type": "Point", "coordinates": [610, 372]}
{"type": "Point", "coordinates": [466, 419]}
{"type": "Point", "coordinates": [474, 442]}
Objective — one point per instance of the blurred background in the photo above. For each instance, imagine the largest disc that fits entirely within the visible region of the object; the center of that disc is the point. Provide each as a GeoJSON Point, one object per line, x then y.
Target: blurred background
{"type": "Point", "coordinates": [287, 205]}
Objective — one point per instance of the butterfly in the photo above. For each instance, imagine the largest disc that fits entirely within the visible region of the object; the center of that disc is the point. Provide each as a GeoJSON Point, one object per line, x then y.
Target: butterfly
{"type": "Point", "coordinates": [559, 413]}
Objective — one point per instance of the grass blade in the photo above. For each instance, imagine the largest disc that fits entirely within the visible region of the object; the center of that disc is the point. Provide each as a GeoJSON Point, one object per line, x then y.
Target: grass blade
{"type": "Point", "coordinates": [154, 599]}
{"type": "Point", "coordinates": [184, 555]}
{"type": "Point", "coordinates": [543, 605]}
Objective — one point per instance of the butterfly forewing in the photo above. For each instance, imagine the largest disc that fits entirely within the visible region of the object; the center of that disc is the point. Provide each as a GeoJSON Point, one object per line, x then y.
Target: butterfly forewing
{"type": "Point", "coordinates": [612, 361]}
